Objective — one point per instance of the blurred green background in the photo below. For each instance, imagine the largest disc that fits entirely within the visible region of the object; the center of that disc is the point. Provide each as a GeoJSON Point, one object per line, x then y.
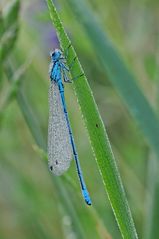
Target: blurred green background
{"type": "Point", "coordinates": [31, 203]}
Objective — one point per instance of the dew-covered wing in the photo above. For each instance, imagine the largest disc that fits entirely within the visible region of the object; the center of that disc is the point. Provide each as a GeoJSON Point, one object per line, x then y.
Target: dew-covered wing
{"type": "Point", "coordinates": [59, 147]}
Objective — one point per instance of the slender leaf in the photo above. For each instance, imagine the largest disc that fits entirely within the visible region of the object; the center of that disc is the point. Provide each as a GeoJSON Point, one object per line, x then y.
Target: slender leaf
{"type": "Point", "coordinates": [14, 87]}
{"type": "Point", "coordinates": [135, 100]}
{"type": "Point", "coordinates": [27, 112]}
{"type": "Point", "coordinates": [11, 13]}
{"type": "Point", "coordinates": [152, 212]}
{"type": "Point", "coordinates": [1, 24]}
{"type": "Point", "coordinates": [98, 137]}
{"type": "Point", "coordinates": [10, 29]}
{"type": "Point", "coordinates": [150, 227]}
{"type": "Point", "coordinates": [119, 75]}
{"type": "Point", "coordinates": [1, 33]}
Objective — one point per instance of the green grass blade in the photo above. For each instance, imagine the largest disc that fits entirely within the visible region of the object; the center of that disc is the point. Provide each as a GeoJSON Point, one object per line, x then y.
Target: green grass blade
{"type": "Point", "coordinates": [11, 13]}
{"type": "Point", "coordinates": [29, 117]}
{"type": "Point", "coordinates": [135, 100]}
{"type": "Point", "coordinates": [14, 87]}
{"type": "Point", "coordinates": [9, 30]}
{"type": "Point", "coordinates": [119, 75]}
{"type": "Point", "coordinates": [152, 213]}
{"type": "Point", "coordinates": [98, 137]}
{"type": "Point", "coordinates": [1, 24]}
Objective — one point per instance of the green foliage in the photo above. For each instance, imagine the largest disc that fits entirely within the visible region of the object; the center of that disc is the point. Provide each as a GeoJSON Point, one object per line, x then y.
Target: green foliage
{"type": "Point", "coordinates": [126, 85]}
{"type": "Point", "coordinates": [98, 136]}
{"type": "Point", "coordinates": [35, 204]}
{"type": "Point", "coordinates": [9, 28]}
{"type": "Point", "coordinates": [119, 75]}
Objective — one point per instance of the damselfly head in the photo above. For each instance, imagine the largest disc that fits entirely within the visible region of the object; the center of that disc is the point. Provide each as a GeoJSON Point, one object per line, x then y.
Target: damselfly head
{"type": "Point", "coordinates": [55, 55]}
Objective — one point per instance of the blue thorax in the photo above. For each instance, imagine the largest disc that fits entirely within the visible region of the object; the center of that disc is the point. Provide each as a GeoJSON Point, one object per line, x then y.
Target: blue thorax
{"type": "Point", "coordinates": [56, 64]}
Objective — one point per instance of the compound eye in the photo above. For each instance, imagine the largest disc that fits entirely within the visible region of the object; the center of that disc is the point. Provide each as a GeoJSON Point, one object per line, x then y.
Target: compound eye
{"type": "Point", "coordinates": [53, 54]}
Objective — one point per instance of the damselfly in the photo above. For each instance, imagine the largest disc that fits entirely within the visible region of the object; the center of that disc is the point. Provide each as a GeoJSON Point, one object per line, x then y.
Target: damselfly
{"type": "Point", "coordinates": [61, 144]}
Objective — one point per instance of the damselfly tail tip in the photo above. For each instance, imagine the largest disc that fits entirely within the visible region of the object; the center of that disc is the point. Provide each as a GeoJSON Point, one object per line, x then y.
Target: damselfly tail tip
{"type": "Point", "coordinates": [89, 203]}
{"type": "Point", "coordinates": [86, 197]}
